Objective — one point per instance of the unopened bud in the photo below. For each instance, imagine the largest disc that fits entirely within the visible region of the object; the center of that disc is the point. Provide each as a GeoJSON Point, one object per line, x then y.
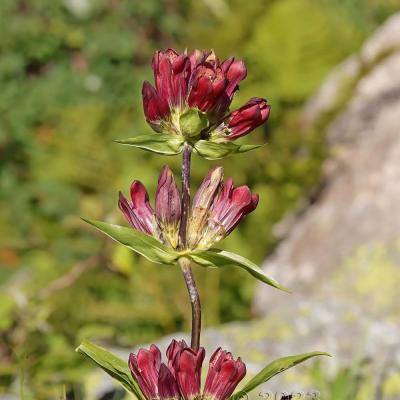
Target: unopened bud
{"type": "Point", "coordinates": [202, 203]}
{"type": "Point", "coordinates": [168, 206]}
{"type": "Point", "coordinates": [139, 212]}
{"type": "Point", "coordinates": [228, 209]}
{"type": "Point", "coordinates": [248, 117]}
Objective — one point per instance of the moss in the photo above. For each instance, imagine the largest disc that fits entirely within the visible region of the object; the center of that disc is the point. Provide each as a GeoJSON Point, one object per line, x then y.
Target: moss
{"type": "Point", "coordinates": [372, 276]}
{"type": "Point", "coordinates": [391, 386]}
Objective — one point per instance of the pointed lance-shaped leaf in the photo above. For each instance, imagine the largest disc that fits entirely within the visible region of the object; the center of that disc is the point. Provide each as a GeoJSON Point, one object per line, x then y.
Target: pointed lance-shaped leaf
{"type": "Point", "coordinates": [156, 142]}
{"type": "Point", "coordinates": [215, 150]}
{"type": "Point", "coordinates": [113, 365]}
{"type": "Point", "coordinates": [220, 258]}
{"type": "Point", "coordinates": [147, 246]}
{"type": "Point", "coordinates": [275, 368]}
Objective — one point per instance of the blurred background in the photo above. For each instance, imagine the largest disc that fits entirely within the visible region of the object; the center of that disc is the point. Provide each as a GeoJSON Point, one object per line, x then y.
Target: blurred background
{"type": "Point", "coordinates": [70, 75]}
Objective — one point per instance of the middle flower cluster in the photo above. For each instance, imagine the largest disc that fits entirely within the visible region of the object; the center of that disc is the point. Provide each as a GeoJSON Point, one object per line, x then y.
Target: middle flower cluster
{"type": "Point", "coordinates": [216, 209]}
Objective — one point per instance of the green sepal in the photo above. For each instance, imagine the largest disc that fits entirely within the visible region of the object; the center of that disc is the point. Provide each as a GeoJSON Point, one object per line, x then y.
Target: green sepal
{"type": "Point", "coordinates": [113, 365]}
{"type": "Point", "coordinates": [274, 368]}
{"type": "Point", "coordinates": [215, 150]}
{"type": "Point", "coordinates": [220, 258]}
{"type": "Point", "coordinates": [147, 246]}
{"type": "Point", "coordinates": [156, 142]}
{"type": "Point", "coordinates": [192, 122]}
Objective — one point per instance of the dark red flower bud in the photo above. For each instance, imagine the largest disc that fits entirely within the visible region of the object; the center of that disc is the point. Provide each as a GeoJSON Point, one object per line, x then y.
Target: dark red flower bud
{"type": "Point", "coordinates": [209, 188]}
{"type": "Point", "coordinates": [173, 349]}
{"type": "Point", "coordinates": [155, 107]}
{"type": "Point", "coordinates": [187, 367]}
{"type": "Point", "coordinates": [168, 206]}
{"type": "Point", "coordinates": [139, 213]}
{"type": "Point", "coordinates": [248, 117]}
{"type": "Point", "coordinates": [145, 367]}
{"type": "Point", "coordinates": [227, 210]}
{"type": "Point", "coordinates": [167, 387]}
{"type": "Point", "coordinates": [224, 374]}
{"type": "Point", "coordinates": [201, 205]}
{"type": "Point", "coordinates": [213, 84]}
{"type": "Point", "coordinates": [235, 72]}
{"type": "Point", "coordinates": [232, 205]}
{"type": "Point", "coordinates": [171, 74]}
{"type": "Point", "coordinates": [209, 82]}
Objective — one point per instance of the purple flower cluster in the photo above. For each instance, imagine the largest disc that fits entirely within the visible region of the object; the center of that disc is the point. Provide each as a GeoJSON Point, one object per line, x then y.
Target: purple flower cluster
{"type": "Point", "coordinates": [180, 377]}
{"type": "Point", "coordinates": [217, 208]}
{"type": "Point", "coordinates": [200, 81]}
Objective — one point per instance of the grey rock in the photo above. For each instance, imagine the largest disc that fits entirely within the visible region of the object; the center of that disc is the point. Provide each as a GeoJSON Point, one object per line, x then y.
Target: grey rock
{"type": "Point", "coordinates": [384, 41]}
{"type": "Point", "coordinates": [341, 254]}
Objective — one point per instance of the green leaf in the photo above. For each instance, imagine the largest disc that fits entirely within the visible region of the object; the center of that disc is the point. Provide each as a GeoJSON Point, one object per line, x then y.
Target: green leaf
{"type": "Point", "coordinates": [139, 242]}
{"type": "Point", "coordinates": [111, 364]}
{"type": "Point", "coordinates": [244, 148]}
{"type": "Point", "coordinates": [275, 368]}
{"type": "Point", "coordinates": [156, 142]}
{"type": "Point", "coordinates": [213, 151]}
{"type": "Point", "coordinates": [220, 258]}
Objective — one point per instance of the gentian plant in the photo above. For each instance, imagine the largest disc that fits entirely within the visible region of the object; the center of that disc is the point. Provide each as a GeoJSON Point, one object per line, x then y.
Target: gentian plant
{"type": "Point", "coordinates": [188, 108]}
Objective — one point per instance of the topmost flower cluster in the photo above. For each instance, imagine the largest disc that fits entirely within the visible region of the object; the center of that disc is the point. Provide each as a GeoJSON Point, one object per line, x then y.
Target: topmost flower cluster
{"type": "Point", "coordinates": [193, 93]}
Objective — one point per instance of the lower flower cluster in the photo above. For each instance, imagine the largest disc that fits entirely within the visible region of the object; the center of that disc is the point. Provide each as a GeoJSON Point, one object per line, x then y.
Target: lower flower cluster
{"type": "Point", "coordinates": [180, 378]}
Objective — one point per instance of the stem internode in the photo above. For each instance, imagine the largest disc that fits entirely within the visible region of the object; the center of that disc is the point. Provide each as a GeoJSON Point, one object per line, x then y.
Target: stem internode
{"type": "Point", "coordinates": [185, 262]}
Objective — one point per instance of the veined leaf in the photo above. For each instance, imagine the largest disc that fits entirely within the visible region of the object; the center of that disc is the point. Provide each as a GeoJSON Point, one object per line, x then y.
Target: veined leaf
{"type": "Point", "coordinates": [275, 368]}
{"type": "Point", "coordinates": [220, 258]}
{"type": "Point", "coordinates": [244, 148]}
{"type": "Point", "coordinates": [139, 242]}
{"type": "Point", "coordinates": [156, 142]}
{"type": "Point", "coordinates": [213, 151]}
{"type": "Point", "coordinates": [111, 364]}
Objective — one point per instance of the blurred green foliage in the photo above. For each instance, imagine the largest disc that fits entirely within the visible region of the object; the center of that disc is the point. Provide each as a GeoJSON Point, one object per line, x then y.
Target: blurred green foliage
{"type": "Point", "coordinates": [70, 75]}
{"type": "Point", "coordinates": [355, 382]}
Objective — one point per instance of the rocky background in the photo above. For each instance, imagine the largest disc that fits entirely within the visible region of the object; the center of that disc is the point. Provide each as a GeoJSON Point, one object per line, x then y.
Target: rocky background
{"type": "Point", "coordinates": [340, 254]}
